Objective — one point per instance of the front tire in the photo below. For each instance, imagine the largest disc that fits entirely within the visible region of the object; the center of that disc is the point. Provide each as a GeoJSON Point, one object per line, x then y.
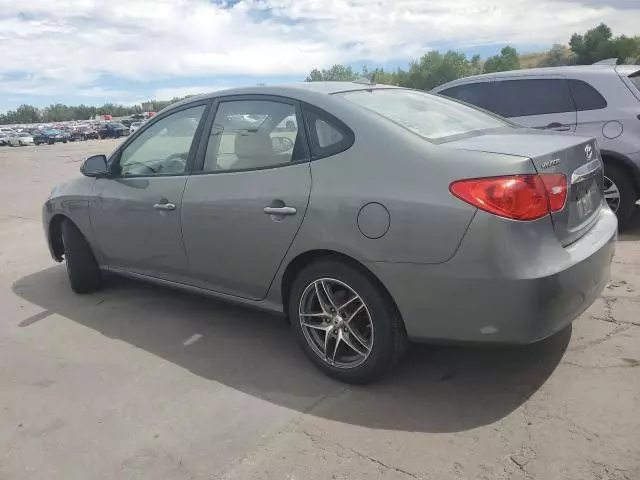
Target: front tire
{"type": "Point", "coordinates": [345, 322]}
{"type": "Point", "coordinates": [619, 192]}
{"type": "Point", "coordinates": [82, 267]}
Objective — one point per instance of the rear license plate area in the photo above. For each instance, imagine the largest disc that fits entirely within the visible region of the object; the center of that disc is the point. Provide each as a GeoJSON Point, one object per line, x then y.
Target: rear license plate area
{"type": "Point", "coordinates": [585, 193]}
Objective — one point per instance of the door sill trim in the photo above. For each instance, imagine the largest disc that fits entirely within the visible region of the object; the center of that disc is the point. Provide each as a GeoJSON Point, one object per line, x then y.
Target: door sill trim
{"type": "Point", "coordinates": [265, 305]}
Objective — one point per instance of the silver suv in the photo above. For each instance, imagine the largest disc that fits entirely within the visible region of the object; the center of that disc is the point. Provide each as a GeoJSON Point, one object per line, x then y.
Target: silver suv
{"type": "Point", "coordinates": [602, 101]}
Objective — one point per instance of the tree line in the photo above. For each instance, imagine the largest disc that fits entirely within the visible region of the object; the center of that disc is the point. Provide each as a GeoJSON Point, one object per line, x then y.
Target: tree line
{"type": "Point", "coordinates": [428, 71]}
{"type": "Point", "coordinates": [435, 68]}
{"type": "Point", "coordinates": [63, 113]}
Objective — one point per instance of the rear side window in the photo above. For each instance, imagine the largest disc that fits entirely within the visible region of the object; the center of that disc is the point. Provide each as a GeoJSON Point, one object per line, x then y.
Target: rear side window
{"type": "Point", "coordinates": [635, 79]}
{"type": "Point", "coordinates": [328, 135]}
{"type": "Point", "coordinates": [524, 98]}
{"type": "Point", "coordinates": [478, 94]}
{"type": "Point", "coordinates": [424, 114]}
{"type": "Point", "coordinates": [586, 97]}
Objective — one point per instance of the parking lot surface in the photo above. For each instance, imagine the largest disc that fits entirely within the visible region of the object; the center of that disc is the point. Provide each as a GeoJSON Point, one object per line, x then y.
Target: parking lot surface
{"type": "Point", "coordinates": [139, 381]}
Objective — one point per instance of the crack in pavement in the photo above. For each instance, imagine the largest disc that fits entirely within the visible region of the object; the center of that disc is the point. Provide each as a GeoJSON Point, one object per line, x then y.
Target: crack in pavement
{"type": "Point", "coordinates": [373, 460]}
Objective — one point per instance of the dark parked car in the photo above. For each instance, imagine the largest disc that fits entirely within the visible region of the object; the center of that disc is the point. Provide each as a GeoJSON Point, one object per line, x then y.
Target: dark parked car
{"type": "Point", "coordinates": [84, 133]}
{"type": "Point", "coordinates": [113, 130]}
{"type": "Point", "coordinates": [50, 137]}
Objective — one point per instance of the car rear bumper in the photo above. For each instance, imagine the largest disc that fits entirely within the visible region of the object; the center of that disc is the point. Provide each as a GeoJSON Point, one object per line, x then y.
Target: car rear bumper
{"type": "Point", "coordinates": [509, 282]}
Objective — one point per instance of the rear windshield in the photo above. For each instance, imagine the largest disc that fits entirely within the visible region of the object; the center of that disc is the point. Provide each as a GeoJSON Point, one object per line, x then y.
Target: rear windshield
{"type": "Point", "coordinates": [425, 114]}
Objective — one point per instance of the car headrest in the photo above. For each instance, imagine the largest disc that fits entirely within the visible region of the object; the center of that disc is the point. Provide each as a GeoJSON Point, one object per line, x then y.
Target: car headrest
{"type": "Point", "coordinates": [253, 144]}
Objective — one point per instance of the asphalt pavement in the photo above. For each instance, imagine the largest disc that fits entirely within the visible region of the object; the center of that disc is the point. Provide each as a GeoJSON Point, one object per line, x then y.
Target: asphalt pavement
{"type": "Point", "coordinates": [142, 382]}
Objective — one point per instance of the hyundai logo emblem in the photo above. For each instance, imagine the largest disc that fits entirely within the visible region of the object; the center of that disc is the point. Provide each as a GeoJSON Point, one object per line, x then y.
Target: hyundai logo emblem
{"type": "Point", "coordinates": [588, 152]}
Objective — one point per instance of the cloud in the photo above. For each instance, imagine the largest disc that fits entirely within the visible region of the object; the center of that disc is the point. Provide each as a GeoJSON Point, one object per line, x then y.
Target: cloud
{"type": "Point", "coordinates": [68, 46]}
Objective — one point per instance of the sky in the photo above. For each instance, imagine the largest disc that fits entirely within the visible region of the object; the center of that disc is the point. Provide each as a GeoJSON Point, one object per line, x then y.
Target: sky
{"type": "Point", "coordinates": [127, 51]}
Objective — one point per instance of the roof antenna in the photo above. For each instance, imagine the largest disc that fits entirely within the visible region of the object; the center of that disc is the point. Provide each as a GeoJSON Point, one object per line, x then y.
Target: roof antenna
{"type": "Point", "coordinates": [366, 79]}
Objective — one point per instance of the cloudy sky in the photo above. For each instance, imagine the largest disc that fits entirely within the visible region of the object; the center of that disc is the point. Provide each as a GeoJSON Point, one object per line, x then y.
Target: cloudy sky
{"type": "Point", "coordinates": [92, 51]}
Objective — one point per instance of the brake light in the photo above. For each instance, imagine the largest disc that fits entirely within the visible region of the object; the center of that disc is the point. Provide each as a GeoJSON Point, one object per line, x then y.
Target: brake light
{"type": "Point", "coordinates": [518, 197]}
{"type": "Point", "coordinates": [556, 186]}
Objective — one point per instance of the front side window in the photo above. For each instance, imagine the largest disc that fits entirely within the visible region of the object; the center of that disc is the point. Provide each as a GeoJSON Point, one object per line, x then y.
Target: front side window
{"type": "Point", "coordinates": [425, 114]}
{"type": "Point", "coordinates": [163, 148]}
{"type": "Point", "coordinates": [527, 97]}
{"type": "Point", "coordinates": [250, 134]}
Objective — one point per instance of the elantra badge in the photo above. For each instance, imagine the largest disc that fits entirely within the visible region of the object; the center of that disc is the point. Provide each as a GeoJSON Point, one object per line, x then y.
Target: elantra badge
{"type": "Point", "coordinates": [550, 163]}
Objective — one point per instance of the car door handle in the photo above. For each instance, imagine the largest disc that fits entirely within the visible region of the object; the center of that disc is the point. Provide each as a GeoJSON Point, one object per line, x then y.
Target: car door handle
{"type": "Point", "coordinates": [560, 127]}
{"type": "Point", "coordinates": [280, 210]}
{"type": "Point", "coordinates": [164, 206]}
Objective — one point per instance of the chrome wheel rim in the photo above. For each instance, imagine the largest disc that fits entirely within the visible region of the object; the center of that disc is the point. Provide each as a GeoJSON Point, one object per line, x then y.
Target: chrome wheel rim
{"type": "Point", "coordinates": [336, 323]}
{"type": "Point", "coordinates": [611, 194]}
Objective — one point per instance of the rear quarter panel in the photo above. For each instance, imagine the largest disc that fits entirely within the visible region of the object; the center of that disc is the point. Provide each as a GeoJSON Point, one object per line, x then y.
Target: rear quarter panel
{"type": "Point", "coordinates": [410, 177]}
{"type": "Point", "coordinates": [619, 120]}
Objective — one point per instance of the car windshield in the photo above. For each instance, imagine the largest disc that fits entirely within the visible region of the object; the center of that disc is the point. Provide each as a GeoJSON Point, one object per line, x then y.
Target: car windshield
{"type": "Point", "coordinates": [24, 134]}
{"type": "Point", "coordinates": [427, 115]}
{"type": "Point", "coordinates": [116, 125]}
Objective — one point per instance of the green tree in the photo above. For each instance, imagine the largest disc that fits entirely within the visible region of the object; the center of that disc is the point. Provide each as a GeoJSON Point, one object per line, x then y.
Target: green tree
{"type": "Point", "coordinates": [336, 73]}
{"type": "Point", "coordinates": [506, 60]}
{"type": "Point", "coordinates": [476, 65]}
{"type": "Point", "coordinates": [556, 57]}
{"type": "Point", "coordinates": [599, 44]}
{"type": "Point", "coordinates": [433, 69]}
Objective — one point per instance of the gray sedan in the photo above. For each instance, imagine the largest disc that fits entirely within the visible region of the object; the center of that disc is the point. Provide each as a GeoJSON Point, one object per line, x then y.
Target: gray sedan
{"type": "Point", "coordinates": [379, 215]}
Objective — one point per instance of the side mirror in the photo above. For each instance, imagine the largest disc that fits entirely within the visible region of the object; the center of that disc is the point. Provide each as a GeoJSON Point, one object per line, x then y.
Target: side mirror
{"type": "Point", "coordinates": [95, 166]}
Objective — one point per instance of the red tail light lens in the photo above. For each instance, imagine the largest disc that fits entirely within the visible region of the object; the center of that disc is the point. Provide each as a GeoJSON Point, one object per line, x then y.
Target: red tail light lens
{"type": "Point", "coordinates": [519, 197]}
{"type": "Point", "coordinates": [556, 186]}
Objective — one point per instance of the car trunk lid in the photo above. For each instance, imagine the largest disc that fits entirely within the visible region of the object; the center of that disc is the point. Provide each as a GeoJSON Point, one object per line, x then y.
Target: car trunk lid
{"type": "Point", "coordinates": [578, 158]}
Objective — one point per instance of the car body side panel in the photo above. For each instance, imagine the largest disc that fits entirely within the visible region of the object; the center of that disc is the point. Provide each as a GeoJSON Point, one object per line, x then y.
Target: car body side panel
{"type": "Point", "coordinates": [71, 200]}
{"type": "Point", "coordinates": [410, 177]}
{"type": "Point", "coordinates": [510, 282]}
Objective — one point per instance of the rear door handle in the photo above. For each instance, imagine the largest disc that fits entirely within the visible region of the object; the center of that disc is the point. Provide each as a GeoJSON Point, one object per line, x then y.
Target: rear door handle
{"type": "Point", "coordinates": [164, 206]}
{"type": "Point", "coordinates": [560, 127]}
{"type": "Point", "coordinates": [280, 210]}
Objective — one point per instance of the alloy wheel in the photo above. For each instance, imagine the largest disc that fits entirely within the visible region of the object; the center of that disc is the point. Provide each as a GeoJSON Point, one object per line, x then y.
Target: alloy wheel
{"type": "Point", "coordinates": [611, 194]}
{"type": "Point", "coordinates": [336, 323]}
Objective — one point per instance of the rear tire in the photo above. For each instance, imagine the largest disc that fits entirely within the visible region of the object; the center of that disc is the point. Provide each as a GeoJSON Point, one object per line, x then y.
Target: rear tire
{"type": "Point", "coordinates": [386, 336]}
{"type": "Point", "coordinates": [628, 197]}
{"type": "Point", "coordinates": [82, 267]}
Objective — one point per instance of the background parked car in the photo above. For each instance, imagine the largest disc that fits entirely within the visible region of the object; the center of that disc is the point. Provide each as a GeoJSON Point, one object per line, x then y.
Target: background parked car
{"type": "Point", "coordinates": [135, 126]}
{"type": "Point", "coordinates": [51, 136]}
{"type": "Point", "coordinates": [83, 133]}
{"type": "Point", "coordinates": [20, 139]}
{"type": "Point", "coordinates": [593, 100]}
{"type": "Point", "coordinates": [113, 130]}
{"type": "Point", "coordinates": [3, 139]}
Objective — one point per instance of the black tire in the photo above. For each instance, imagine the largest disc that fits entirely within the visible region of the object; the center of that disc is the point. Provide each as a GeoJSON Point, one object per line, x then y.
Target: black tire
{"type": "Point", "coordinates": [64, 141]}
{"type": "Point", "coordinates": [82, 267]}
{"type": "Point", "coordinates": [628, 195]}
{"type": "Point", "coordinates": [390, 339]}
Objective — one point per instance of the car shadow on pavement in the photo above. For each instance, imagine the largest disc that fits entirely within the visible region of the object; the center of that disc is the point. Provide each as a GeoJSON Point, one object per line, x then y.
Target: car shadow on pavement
{"type": "Point", "coordinates": [631, 231]}
{"type": "Point", "coordinates": [435, 389]}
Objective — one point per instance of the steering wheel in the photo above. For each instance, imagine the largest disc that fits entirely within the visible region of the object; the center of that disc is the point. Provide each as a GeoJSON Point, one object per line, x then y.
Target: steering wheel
{"type": "Point", "coordinates": [175, 163]}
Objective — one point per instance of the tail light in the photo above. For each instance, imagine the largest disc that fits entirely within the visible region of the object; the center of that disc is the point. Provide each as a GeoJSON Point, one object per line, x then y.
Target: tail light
{"type": "Point", "coordinates": [519, 197]}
